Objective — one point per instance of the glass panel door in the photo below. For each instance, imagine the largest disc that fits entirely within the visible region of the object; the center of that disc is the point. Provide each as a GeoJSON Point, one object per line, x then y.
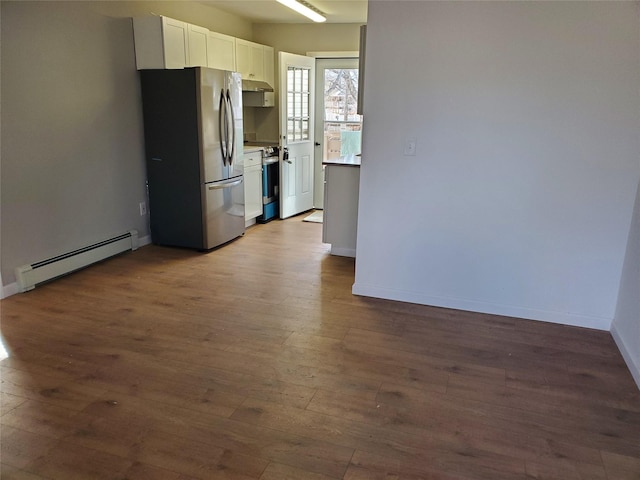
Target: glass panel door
{"type": "Point", "coordinates": [342, 125]}
{"type": "Point", "coordinates": [338, 128]}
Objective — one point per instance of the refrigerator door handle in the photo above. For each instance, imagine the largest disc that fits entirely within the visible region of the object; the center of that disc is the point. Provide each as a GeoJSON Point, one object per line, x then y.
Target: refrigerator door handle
{"type": "Point", "coordinates": [232, 147]}
{"type": "Point", "coordinates": [222, 127]}
{"type": "Point", "coordinates": [229, 184]}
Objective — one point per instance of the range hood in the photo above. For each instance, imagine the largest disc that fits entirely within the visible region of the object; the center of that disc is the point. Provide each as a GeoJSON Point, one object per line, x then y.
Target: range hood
{"type": "Point", "coordinates": [255, 86]}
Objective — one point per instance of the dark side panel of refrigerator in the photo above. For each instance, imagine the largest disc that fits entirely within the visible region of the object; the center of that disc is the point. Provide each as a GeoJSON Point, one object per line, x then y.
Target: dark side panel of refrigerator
{"type": "Point", "coordinates": [186, 210]}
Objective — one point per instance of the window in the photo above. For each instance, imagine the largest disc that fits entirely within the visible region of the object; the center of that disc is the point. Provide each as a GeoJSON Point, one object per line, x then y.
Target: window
{"type": "Point", "coordinates": [298, 98]}
{"type": "Point", "coordinates": [342, 124]}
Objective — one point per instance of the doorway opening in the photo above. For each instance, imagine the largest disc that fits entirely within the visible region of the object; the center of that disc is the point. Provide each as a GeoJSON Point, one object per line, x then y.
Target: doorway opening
{"type": "Point", "coordinates": [338, 126]}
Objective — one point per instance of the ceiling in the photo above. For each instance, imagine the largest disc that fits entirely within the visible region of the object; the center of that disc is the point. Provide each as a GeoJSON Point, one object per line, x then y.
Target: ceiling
{"type": "Point", "coordinates": [270, 11]}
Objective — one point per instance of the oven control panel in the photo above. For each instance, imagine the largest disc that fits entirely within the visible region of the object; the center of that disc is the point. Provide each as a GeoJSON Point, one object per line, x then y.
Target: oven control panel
{"type": "Point", "coordinates": [270, 152]}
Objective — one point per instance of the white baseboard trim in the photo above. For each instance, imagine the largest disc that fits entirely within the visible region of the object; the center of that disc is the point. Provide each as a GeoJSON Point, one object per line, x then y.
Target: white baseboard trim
{"type": "Point", "coordinates": [13, 288]}
{"type": "Point", "coordinates": [343, 252]}
{"type": "Point", "coordinates": [576, 320]}
{"type": "Point", "coordinates": [142, 241]}
{"type": "Point", "coordinates": [632, 363]}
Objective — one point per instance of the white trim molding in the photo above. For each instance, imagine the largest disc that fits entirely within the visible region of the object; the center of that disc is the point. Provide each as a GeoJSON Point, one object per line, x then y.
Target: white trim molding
{"type": "Point", "coordinates": [634, 368]}
{"type": "Point", "coordinates": [8, 290]}
{"type": "Point", "coordinates": [347, 54]}
{"type": "Point", "coordinates": [563, 318]}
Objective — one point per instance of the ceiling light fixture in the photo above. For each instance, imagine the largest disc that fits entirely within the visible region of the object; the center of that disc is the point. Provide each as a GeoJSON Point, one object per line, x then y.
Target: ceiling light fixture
{"type": "Point", "coordinates": [305, 9]}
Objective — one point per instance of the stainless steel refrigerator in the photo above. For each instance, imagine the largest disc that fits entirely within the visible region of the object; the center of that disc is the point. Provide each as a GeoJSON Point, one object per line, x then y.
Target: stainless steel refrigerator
{"type": "Point", "coordinates": [193, 143]}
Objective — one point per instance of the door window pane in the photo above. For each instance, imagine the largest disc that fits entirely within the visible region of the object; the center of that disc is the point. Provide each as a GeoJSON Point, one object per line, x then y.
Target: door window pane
{"type": "Point", "coordinates": [342, 124]}
{"type": "Point", "coordinates": [298, 98]}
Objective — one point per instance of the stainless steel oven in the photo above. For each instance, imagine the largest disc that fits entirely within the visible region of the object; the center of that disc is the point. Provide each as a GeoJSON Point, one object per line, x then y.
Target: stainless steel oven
{"type": "Point", "coordinates": [270, 184]}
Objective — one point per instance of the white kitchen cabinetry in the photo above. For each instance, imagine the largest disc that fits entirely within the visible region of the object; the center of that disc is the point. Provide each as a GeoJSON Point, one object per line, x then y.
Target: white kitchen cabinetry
{"type": "Point", "coordinates": [256, 62]}
{"type": "Point", "coordinates": [197, 46]}
{"type": "Point", "coordinates": [252, 185]}
{"type": "Point", "coordinates": [160, 42]}
{"type": "Point", "coordinates": [340, 216]}
{"type": "Point", "coordinates": [165, 43]}
{"type": "Point", "coordinates": [250, 59]}
{"type": "Point", "coordinates": [268, 59]}
{"type": "Point", "coordinates": [221, 51]}
{"type": "Point", "coordinates": [269, 74]}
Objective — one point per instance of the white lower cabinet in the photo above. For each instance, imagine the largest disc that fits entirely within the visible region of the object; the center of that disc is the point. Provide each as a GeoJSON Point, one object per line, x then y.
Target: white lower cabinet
{"type": "Point", "coordinates": [252, 185]}
{"type": "Point", "coordinates": [340, 222]}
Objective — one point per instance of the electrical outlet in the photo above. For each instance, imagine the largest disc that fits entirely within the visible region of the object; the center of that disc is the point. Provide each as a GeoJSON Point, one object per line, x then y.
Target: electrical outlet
{"type": "Point", "coordinates": [410, 147]}
{"type": "Point", "coordinates": [143, 209]}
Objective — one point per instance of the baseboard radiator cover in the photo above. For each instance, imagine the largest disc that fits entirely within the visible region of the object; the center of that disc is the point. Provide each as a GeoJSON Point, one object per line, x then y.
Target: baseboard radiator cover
{"type": "Point", "coordinates": [28, 276]}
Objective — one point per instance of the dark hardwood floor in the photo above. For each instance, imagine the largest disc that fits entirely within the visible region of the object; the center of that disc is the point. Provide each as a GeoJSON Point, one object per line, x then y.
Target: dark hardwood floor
{"type": "Point", "coordinates": [254, 361]}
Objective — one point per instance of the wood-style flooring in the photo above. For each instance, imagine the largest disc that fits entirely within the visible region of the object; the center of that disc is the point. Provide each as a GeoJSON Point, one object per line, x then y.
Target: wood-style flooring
{"type": "Point", "coordinates": [255, 361]}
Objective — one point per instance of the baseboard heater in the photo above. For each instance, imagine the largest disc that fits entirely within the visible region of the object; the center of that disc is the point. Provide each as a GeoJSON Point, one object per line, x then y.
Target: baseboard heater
{"type": "Point", "coordinates": [28, 276]}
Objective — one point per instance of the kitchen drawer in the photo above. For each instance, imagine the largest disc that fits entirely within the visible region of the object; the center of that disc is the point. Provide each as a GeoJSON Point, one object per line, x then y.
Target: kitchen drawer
{"type": "Point", "coordinates": [253, 159]}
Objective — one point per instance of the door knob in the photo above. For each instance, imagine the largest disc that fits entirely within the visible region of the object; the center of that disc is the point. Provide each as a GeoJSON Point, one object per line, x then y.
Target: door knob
{"type": "Point", "coordinates": [317, 144]}
{"type": "Point", "coordinates": [285, 155]}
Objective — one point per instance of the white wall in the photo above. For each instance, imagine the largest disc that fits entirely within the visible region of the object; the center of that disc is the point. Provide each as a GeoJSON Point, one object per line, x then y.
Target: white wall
{"type": "Point", "coordinates": [306, 37]}
{"type": "Point", "coordinates": [72, 170]}
{"type": "Point", "coordinates": [72, 146]}
{"type": "Point", "coordinates": [626, 324]}
{"type": "Point", "coordinates": [520, 196]}
{"type": "Point", "coordinates": [195, 12]}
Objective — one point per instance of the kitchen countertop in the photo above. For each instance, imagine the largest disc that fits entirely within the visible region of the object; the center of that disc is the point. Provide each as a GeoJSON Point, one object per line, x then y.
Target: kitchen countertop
{"type": "Point", "coordinates": [251, 148]}
{"type": "Point", "coordinates": [346, 161]}
{"type": "Point", "coordinates": [258, 143]}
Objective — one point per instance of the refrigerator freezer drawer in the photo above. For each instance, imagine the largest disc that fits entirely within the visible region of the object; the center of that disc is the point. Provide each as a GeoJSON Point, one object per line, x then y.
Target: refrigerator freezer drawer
{"type": "Point", "coordinates": [224, 211]}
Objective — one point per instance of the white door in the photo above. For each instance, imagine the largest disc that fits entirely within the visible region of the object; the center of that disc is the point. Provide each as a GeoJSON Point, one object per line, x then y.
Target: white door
{"type": "Point", "coordinates": [338, 125]}
{"type": "Point", "coordinates": [297, 76]}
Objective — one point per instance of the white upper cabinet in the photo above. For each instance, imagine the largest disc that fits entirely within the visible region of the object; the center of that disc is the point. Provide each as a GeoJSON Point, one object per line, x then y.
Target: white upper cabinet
{"type": "Point", "coordinates": [176, 41]}
{"type": "Point", "coordinates": [197, 46]}
{"type": "Point", "coordinates": [268, 62]}
{"type": "Point", "coordinates": [164, 43]}
{"type": "Point", "coordinates": [221, 51]}
{"type": "Point", "coordinates": [160, 42]}
{"type": "Point", "coordinates": [250, 59]}
{"type": "Point", "coordinates": [269, 75]}
{"type": "Point", "coordinates": [267, 59]}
